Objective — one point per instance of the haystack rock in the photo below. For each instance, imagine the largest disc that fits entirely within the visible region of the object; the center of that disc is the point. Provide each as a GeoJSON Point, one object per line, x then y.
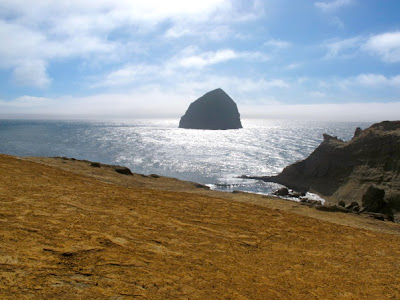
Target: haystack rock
{"type": "Point", "coordinates": [365, 170]}
{"type": "Point", "coordinates": [215, 110]}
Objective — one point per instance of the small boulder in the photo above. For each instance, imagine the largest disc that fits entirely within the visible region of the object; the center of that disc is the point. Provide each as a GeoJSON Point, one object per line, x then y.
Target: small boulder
{"type": "Point", "coordinates": [281, 192]}
{"type": "Point", "coordinates": [354, 206]}
{"type": "Point", "coordinates": [357, 132]}
{"type": "Point", "coordinates": [331, 208]}
{"type": "Point", "coordinates": [201, 186]}
{"type": "Point", "coordinates": [374, 199]}
{"type": "Point", "coordinates": [123, 170]}
{"type": "Point", "coordinates": [296, 194]}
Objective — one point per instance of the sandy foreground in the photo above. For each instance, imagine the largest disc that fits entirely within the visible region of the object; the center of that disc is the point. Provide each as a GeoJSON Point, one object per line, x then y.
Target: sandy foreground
{"type": "Point", "coordinates": [72, 231]}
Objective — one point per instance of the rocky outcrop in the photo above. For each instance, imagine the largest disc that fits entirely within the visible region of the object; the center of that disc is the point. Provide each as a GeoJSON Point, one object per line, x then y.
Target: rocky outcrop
{"type": "Point", "coordinates": [363, 171]}
{"type": "Point", "coordinates": [119, 169]}
{"type": "Point", "coordinates": [215, 110]}
{"type": "Point", "coordinates": [123, 170]}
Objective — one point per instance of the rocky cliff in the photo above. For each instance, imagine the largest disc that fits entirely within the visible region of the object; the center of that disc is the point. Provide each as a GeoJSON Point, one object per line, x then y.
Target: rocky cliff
{"type": "Point", "coordinates": [365, 170]}
{"type": "Point", "coordinates": [215, 110]}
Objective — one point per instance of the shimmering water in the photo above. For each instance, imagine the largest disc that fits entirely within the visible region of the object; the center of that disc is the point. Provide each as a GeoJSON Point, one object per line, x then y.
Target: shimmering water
{"type": "Point", "coordinates": [215, 158]}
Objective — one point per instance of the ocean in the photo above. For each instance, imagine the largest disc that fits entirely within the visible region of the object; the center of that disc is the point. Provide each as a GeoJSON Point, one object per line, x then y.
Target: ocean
{"type": "Point", "coordinates": [158, 146]}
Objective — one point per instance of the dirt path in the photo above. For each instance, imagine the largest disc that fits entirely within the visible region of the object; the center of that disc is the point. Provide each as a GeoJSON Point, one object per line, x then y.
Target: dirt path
{"type": "Point", "coordinates": [69, 236]}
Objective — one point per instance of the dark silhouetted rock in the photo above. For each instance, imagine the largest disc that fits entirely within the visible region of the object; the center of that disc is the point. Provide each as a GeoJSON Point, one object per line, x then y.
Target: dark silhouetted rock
{"type": "Point", "coordinates": [215, 110]}
{"type": "Point", "coordinates": [296, 194]}
{"type": "Point", "coordinates": [95, 165]}
{"type": "Point", "coordinates": [282, 192]}
{"type": "Point", "coordinates": [310, 202]}
{"type": "Point", "coordinates": [357, 132]}
{"type": "Point", "coordinates": [365, 170]}
{"type": "Point", "coordinates": [123, 170]}
{"type": "Point", "coordinates": [354, 206]}
{"type": "Point", "coordinates": [374, 199]}
{"type": "Point", "coordinates": [332, 208]}
{"type": "Point", "coordinates": [201, 186]}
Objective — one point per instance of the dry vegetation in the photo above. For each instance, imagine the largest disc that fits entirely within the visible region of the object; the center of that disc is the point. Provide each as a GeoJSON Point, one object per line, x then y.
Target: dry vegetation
{"type": "Point", "coordinates": [72, 231]}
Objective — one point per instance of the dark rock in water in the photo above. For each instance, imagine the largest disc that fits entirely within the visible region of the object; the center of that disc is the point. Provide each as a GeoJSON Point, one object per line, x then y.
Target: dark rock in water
{"type": "Point", "coordinates": [201, 186]}
{"type": "Point", "coordinates": [123, 170]}
{"type": "Point", "coordinates": [282, 192]}
{"type": "Point", "coordinates": [365, 170]}
{"type": "Point", "coordinates": [296, 194]}
{"type": "Point", "coordinates": [215, 110]}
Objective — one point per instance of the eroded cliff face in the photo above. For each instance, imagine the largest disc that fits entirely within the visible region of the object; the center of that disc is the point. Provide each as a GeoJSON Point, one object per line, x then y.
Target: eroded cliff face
{"type": "Point", "coordinates": [365, 170]}
{"type": "Point", "coordinates": [215, 110]}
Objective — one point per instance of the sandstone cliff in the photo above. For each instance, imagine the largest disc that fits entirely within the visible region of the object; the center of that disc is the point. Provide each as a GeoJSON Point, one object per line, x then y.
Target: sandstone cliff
{"type": "Point", "coordinates": [215, 110]}
{"type": "Point", "coordinates": [365, 170]}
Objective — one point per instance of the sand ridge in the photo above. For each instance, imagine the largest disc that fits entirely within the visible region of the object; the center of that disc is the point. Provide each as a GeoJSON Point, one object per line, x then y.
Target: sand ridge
{"type": "Point", "coordinates": [72, 236]}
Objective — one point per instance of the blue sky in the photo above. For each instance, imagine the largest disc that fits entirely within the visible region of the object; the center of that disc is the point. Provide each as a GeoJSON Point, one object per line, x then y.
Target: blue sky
{"type": "Point", "coordinates": [321, 59]}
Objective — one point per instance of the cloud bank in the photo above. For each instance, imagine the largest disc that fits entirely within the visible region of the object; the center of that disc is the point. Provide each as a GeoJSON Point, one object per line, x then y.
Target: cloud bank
{"type": "Point", "coordinates": [148, 57]}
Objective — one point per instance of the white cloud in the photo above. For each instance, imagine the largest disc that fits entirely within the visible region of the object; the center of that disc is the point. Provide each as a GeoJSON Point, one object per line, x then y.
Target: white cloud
{"type": "Point", "coordinates": [31, 73]}
{"type": "Point", "coordinates": [336, 21]}
{"type": "Point", "coordinates": [245, 86]}
{"type": "Point", "coordinates": [345, 48]}
{"type": "Point", "coordinates": [373, 81]}
{"type": "Point", "coordinates": [98, 30]}
{"type": "Point", "coordinates": [293, 66]}
{"type": "Point", "coordinates": [366, 112]}
{"type": "Point", "coordinates": [104, 13]}
{"type": "Point", "coordinates": [317, 94]}
{"type": "Point", "coordinates": [188, 58]}
{"type": "Point", "coordinates": [277, 43]}
{"type": "Point", "coordinates": [332, 5]}
{"type": "Point", "coordinates": [127, 75]}
{"type": "Point", "coordinates": [27, 52]}
{"type": "Point", "coordinates": [189, 63]}
{"type": "Point", "coordinates": [25, 102]}
{"type": "Point", "coordinates": [212, 31]}
{"type": "Point", "coordinates": [385, 45]}
{"type": "Point", "coordinates": [18, 42]}
{"type": "Point", "coordinates": [362, 86]}
{"type": "Point", "coordinates": [207, 58]}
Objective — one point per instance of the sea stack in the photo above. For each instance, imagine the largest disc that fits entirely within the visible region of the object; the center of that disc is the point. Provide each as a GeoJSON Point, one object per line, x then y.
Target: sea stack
{"type": "Point", "coordinates": [215, 111]}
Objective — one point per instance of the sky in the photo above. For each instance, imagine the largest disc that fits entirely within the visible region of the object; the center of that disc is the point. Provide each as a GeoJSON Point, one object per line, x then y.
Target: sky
{"type": "Point", "coordinates": [302, 59]}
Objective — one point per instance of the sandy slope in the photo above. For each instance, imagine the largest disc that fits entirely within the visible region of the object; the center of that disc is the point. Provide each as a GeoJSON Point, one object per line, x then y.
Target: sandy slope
{"type": "Point", "coordinates": [71, 236]}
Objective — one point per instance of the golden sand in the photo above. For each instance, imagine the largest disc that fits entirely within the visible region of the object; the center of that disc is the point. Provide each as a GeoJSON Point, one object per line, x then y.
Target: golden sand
{"type": "Point", "coordinates": [71, 231]}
